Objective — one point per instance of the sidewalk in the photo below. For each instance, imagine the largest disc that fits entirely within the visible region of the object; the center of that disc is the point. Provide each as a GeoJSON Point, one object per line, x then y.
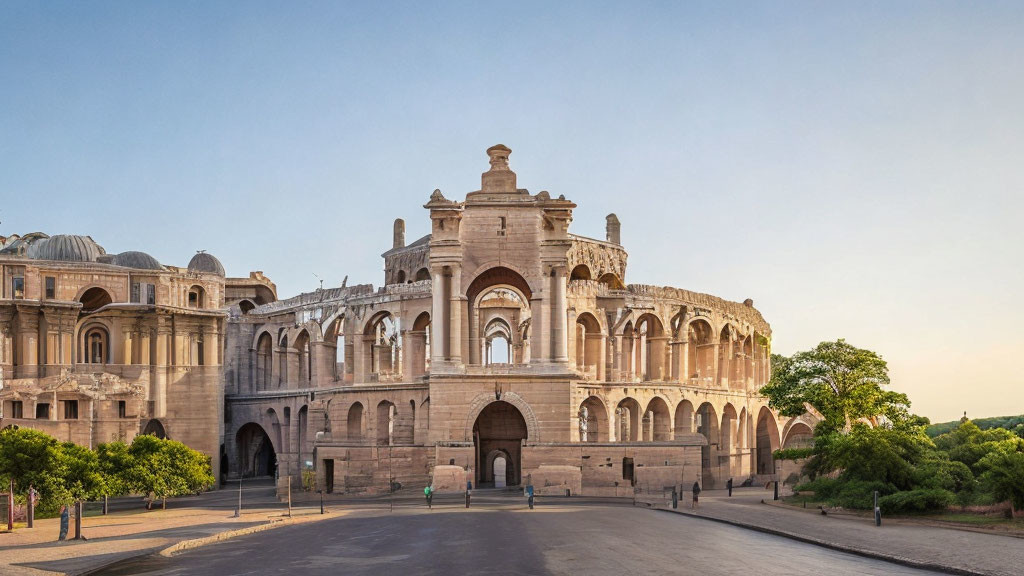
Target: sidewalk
{"type": "Point", "coordinates": [911, 544]}
{"type": "Point", "coordinates": [122, 535]}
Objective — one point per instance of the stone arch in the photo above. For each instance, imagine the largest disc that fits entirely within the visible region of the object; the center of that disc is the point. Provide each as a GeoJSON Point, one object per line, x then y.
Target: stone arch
{"type": "Point", "coordinates": [797, 434]}
{"type": "Point", "coordinates": [384, 424]}
{"type": "Point", "coordinates": [257, 455]}
{"type": "Point", "coordinates": [245, 306]}
{"type": "Point", "coordinates": [701, 348]}
{"type": "Point", "coordinates": [580, 272]}
{"type": "Point", "coordinates": [650, 348]}
{"type": "Point", "coordinates": [302, 346]}
{"type": "Point", "coordinates": [334, 333]}
{"type": "Point", "coordinates": [155, 428]}
{"type": "Point", "coordinates": [354, 422]}
{"type": "Point", "coordinates": [382, 344]}
{"type": "Point", "coordinates": [593, 418]}
{"type": "Point", "coordinates": [612, 281]}
{"type": "Point", "coordinates": [767, 438]}
{"type": "Point", "coordinates": [95, 344]}
{"type": "Point", "coordinates": [419, 345]}
{"type": "Point", "coordinates": [589, 340]}
{"type": "Point", "coordinates": [196, 297]}
{"type": "Point", "coordinates": [684, 419]}
{"type": "Point", "coordinates": [658, 421]}
{"type": "Point", "coordinates": [495, 273]}
{"type": "Point", "coordinates": [264, 347]}
{"type": "Point", "coordinates": [275, 428]}
{"type": "Point", "coordinates": [500, 426]}
{"type": "Point", "coordinates": [422, 274]}
{"type": "Point", "coordinates": [627, 420]}
{"type": "Point", "coordinates": [480, 401]}
{"type": "Point", "coordinates": [706, 422]}
{"type": "Point", "coordinates": [93, 298]}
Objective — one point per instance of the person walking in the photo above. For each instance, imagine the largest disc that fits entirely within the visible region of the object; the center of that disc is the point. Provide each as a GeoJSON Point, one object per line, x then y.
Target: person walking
{"type": "Point", "coordinates": [696, 493]}
{"type": "Point", "coordinates": [65, 518]}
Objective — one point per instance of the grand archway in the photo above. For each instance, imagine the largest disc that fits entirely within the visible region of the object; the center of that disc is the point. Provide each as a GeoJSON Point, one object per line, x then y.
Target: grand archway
{"type": "Point", "coordinates": [256, 455]}
{"type": "Point", "coordinates": [498, 434]}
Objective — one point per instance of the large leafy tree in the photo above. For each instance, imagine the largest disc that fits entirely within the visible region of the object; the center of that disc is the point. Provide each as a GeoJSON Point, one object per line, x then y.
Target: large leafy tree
{"type": "Point", "coordinates": [164, 467]}
{"type": "Point", "coordinates": [840, 381]}
{"type": "Point", "coordinates": [1004, 473]}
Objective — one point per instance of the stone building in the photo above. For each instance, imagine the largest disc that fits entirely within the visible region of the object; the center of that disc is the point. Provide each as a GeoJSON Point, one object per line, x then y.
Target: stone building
{"type": "Point", "coordinates": [502, 349]}
{"type": "Point", "coordinates": [96, 347]}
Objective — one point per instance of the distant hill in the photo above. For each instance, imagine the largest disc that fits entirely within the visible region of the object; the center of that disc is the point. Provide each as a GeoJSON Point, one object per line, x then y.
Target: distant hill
{"type": "Point", "coordinates": [1013, 423]}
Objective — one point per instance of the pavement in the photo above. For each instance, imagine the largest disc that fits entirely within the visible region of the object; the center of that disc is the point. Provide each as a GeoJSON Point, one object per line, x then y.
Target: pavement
{"type": "Point", "coordinates": [908, 543]}
{"type": "Point", "coordinates": [133, 531]}
{"type": "Point", "coordinates": [554, 538]}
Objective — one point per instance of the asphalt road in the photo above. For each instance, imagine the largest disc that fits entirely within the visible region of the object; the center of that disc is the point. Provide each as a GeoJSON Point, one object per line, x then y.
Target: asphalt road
{"type": "Point", "coordinates": [551, 539]}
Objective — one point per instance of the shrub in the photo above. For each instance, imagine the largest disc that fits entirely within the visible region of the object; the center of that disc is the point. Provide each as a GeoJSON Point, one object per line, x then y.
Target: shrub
{"type": "Point", "coordinates": [920, 500]}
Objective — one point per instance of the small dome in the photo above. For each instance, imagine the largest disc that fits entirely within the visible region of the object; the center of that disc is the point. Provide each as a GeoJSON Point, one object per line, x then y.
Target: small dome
{"type": "Point", "coordinates": [65, 248]}
{"type": "Point", "coordinates": [137, 260]}
{"type": "Point", "coordinates": [18, 246]}
{"type": "Point", "coordinates": [203, 262]}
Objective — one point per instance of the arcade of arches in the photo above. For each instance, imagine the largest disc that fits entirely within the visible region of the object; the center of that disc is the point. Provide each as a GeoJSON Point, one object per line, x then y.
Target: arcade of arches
{"type": "Point", "coordinates": [502, 349]}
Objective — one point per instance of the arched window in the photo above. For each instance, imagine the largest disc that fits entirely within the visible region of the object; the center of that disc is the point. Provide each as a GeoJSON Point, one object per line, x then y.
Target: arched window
{"type": "Point", "coordinates": [196, 297]}
{"type": "Point", "coordinates": [422, 274]}
{"type": "Point", "coordinates": [497, 342]}
{"type": "Point", "coordinates": [383, 346]}
{"type": "Point", "coordinates": [95, 346]}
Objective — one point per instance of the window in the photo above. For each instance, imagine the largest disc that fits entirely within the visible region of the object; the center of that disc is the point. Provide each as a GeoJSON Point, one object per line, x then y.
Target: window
{"type": "Point", "coordinates": [193, 300]}
{"type": "Point", "coordinates": [136, 292]}
{"type": "Point", "coordinates": [95, 346]}
{"type": "Point", "coordinates": [627, 469]}
{"type": "Point", "coordinates": [200, 355]}
{"type": "Point", "coordinates": [16, 409]}
{"type": "Point", "coordinates": [71, 409]}
{"type": "Point", "coordinates": [18, 286]}
{"type": "Point", "coordinates": [150, 294]}
{"type": "Point", "coordinates": [51, 287]}
{"type": "Point", "coordinates": [122, 409]}
{"type": "Point", "coordinates": [42, 411]}
{"type": "Point", "coordinates": [501, 226]}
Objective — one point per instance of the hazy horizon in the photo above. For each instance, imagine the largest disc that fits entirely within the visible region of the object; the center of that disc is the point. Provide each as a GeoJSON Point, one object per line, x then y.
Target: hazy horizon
{"type": "Point", "coordinates": [852, 169]}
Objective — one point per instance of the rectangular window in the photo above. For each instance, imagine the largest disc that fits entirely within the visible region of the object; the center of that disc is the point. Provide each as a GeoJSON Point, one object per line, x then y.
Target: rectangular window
{"type": "Point", "coordinates": [193, 300]}
{"type": "Point", "coordinates": [42, 411]}
{"type": "Point", "coordinates": [627, 469]}
{"type": "Point", "coordinates": [136, 292]}
{"type": "Point", "coordinates": [150, 294]}
{"type": "Point", "coordinates": [18, 286]}
{"type": "Point", "coordinates": [71, 409]}
{"type": "Point", "coordinates": [122, 409]}
{"type": "Point", "coordinates": [51, 287]}
{"type": "Point", "coordinates": [200, 356]}
{"type": "Point", "coordinates": [16, 409]}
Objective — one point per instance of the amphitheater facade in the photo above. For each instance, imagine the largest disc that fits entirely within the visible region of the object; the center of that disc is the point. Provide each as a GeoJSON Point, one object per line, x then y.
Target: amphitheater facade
{"type": "Point", "coordinates": [501, 350]}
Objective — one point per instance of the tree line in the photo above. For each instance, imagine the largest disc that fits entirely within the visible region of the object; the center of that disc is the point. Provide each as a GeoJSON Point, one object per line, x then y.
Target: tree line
{"type": "Point", "coordinates": [868, 439]}
{"type": "Point", "coordinates": [64, 472]}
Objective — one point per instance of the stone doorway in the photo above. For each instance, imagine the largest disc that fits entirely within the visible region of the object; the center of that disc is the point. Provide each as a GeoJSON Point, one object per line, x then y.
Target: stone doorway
{"type": "Point", "coordinates": [498, 435]}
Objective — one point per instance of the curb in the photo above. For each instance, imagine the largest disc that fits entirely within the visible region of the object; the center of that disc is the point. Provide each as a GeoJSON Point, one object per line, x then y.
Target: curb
{"type": "Point", "coordinates": [194, 543]}
{"type": "Point", "coordinates": [902, 560]}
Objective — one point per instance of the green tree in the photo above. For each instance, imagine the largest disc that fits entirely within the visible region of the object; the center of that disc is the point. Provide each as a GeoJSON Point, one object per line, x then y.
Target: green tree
{"type": "Point", "coordinates": [77, 474]}
{"type": "Point", "coordinates": [969, 444]}
{"type": "Point", "coordinates": [115, 463]}
{"type": "Point", "coordinates": [166, 468]}
{"type": "Point", "coordinates": [1004, 473]}
{"type": "Point", "coordinates": [842, 382]}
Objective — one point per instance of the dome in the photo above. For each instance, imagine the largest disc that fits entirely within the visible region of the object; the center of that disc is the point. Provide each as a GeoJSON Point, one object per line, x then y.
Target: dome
{"type": "Point", "coordinates": [65, 248]}
{"type": "Point", "coordinates": [137, 260]}
{"type": "Point", "coordinates": [203, 262]}
{"type": "Point", "coordinates": [18, 246]}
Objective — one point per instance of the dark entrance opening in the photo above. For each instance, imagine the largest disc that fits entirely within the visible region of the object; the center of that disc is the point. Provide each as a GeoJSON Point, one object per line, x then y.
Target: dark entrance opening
{"type": "Point", "coordinates": [329, 475]}
{"type": "Point", "coordinates": [498, 435]}
{"type": "Point", "coordinates": [256, 456]}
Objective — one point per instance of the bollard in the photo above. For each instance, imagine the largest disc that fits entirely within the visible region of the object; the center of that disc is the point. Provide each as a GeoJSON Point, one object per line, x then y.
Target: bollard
{"type": "Point", "coordinates": [31, 512]}
{"type": "Point", "coordinates": [530, 500]}
{"type": "Point", "coordinates": [321, 501]}
{"type": "Point", "coordinates": [467, 498]}
{"type": "Point", "coordinates": [78, 520]}
{"type": "Point", "coordinates": [776, 497]}
{"type": "Point", "coordinates": [238, 511]}
{"type": "Point", "coordinates": [10, 508]}
{"type": "Point", "coordinates": [289, 496]}
{"type": "Point", "coordinates": [106, 505]}
{"type": "Point", "coordinates": [675, 498]}
{"type": "Point", "coordinates": [878, 511]}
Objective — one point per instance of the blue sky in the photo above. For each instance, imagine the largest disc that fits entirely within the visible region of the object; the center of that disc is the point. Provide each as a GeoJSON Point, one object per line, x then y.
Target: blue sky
{"type": "Point", "coordinates": [855, 169]}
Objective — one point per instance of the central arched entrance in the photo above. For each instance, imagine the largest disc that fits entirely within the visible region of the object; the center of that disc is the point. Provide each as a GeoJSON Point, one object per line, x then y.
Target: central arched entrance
{"type": "Point", "coordinates": [498, 434]}
{"type": "Point", "coordinates": [256, 455]}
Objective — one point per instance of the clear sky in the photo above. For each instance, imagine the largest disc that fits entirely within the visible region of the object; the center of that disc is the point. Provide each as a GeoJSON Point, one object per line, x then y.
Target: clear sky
{"type": "Point", "coordinates": [855, 169]}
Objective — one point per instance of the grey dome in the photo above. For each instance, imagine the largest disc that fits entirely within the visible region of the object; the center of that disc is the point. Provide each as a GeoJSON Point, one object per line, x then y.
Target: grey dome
{"type": "Point", "coordinates": [203, 262]}
{"type": "Point", "coordinates": [137, 260]}
{"type": "Point", "coordinates": [19, 246]}
{"type": "Point", "coordinates": [65, 248]}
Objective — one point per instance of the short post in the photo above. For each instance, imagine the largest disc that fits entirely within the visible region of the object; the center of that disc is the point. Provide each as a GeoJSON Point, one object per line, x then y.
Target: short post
{"type": "Point", "coordinates": [776, 497]}
{"type": "Point", "coordinates": [78, 520]}
{"type": "Point", "coordinates": [467, 498]}
{"type": "Point", "coordinates": [10, 507]}
{"type": "Point", "coordinates": [31, 512]}
{"type": "Point", "coordinates": [238, 511]}
{"type": "Point", "coordinates": [878, 511]}
{"type": "Point", "coordinates": [289, 496]}
{"type": "Point", "coordinates": [675, 498]}
{"type": "Point", "coordinates": [106, 505]}
{"type": "Point", "coordinates": [321, 500]}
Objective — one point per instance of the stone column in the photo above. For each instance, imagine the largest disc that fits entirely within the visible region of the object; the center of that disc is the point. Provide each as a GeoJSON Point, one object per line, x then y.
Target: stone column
{"type": "Point", "coordinates": [158, 378]}
{"type": "Point", "coordinates": [457, 310]}
{"type": "Point", "coordinates": [437, 317]}
{"type": "Point", "coordinates": [126, 345]}
{"type": "Point", "coordinates": [539, 331]}
{"type": "Point", "coordinates": [559, 316]}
